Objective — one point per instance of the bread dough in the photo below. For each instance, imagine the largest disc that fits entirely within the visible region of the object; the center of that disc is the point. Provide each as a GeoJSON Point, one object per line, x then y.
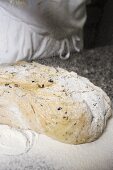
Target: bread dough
{"type": "Point", "coordinates": [54, 102]}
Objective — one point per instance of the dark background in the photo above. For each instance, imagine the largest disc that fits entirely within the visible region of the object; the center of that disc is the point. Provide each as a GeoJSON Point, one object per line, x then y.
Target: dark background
{"type": "Point", "coordinates": [98, 30]}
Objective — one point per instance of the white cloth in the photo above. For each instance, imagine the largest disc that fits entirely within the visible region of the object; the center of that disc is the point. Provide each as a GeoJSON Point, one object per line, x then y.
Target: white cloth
{"type": "Point", "coordinates": [40, 29]}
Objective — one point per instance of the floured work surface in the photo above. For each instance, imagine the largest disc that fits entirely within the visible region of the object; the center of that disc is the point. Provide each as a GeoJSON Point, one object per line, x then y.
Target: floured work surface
{"type": "Point", "coordinates": [54, 102]}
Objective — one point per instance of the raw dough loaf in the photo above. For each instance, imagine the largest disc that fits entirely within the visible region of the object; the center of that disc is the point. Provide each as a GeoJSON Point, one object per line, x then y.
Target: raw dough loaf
{"type": "Point", "coordinates": [55, 102]}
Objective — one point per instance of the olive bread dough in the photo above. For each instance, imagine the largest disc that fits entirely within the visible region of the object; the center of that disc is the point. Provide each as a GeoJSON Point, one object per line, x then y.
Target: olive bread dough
{"type": "Point", "coordinates": [52, 101]}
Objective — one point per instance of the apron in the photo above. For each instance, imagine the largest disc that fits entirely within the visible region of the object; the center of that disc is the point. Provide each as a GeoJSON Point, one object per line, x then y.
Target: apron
{"type": "Point", "coordinates": [39, 28]}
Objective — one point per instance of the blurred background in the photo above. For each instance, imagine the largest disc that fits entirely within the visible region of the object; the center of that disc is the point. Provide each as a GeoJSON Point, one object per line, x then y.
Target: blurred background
{"type": "Point", "coordinates": [98, 30]}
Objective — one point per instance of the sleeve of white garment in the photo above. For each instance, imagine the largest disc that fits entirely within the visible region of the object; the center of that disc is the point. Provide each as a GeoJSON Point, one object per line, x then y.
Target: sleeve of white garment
{"type": "Point", "coordinates": [39, 28]}
{"type": "Point", "coordinates": [63, 17]}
